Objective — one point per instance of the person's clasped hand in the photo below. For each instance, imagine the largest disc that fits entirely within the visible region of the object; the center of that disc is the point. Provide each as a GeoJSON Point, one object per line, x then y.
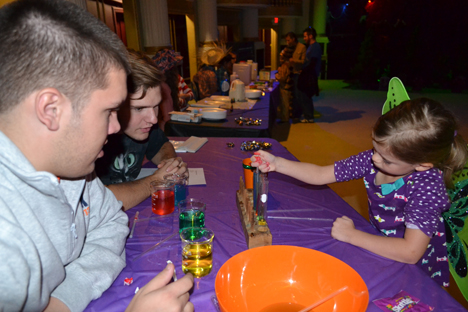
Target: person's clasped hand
{"type": "Point", "coordinates": [174, 165]}
{"type": "Point", "coordinates": [158, 295]}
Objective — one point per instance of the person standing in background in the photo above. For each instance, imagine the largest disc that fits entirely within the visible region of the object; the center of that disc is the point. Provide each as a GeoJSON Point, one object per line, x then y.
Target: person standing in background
{"type": "Point", "coordinates": [308, 79]}
{"type": "Point", "coordinates": [296, 61]}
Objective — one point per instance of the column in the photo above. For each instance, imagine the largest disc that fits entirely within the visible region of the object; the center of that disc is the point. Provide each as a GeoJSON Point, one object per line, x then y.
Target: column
{"type": "Point", "coordinates": [207, 18]}
{"type": "Point", "coordinates": [154, 25]}
{"type": "Point", "coordinates": [274, 49]}
{"type": "Point", "coordinates": [250, 24]}
{"type": "Point", "coordinates": [319, 17]}
{"type": "Point", "coordinates": [319, 23]}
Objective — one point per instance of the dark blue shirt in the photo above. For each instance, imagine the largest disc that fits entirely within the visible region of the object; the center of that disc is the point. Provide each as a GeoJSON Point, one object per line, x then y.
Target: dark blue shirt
{"type": "Point", "coordinates": [314, 51]}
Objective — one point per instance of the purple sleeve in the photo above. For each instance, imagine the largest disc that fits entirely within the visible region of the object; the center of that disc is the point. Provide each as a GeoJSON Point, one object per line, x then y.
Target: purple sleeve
{"type": "Point", "coordinates": [354, 167]}
{"type": "Point", "coordinates": [427, 199]}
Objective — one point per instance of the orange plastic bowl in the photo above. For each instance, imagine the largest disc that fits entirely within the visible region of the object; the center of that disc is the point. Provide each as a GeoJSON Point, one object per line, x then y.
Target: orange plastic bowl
{"type": "Point", "coordinates": [288, 278]}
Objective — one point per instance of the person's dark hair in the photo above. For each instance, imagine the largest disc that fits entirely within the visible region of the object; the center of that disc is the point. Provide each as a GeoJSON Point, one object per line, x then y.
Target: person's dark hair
{"type": "Point", "coordinates": [291, 35]}
{"type": "Point", "coordinates": [311, 31]}
{"type": "Point", "coordinates": [423, 131]}
{"type": "Point", "coordinates": [54, 43]}
{"type": "Point", "coordinates": [144, 75]}
{"type": "Point", "coordinates": [172, 80]}
{"type": "Point", "coordinates": [225, 60]}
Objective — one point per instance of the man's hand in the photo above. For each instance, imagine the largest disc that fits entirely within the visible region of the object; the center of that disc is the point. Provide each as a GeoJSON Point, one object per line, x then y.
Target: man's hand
{"type": "Point", "coordinates": [343, 229]}
{"type": "Point", "coordinates": [173, 165]}
{"type": "Point", "coordinates": [158, 295]}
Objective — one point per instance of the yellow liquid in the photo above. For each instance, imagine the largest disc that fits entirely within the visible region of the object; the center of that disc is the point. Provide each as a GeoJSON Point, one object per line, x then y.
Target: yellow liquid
{"type": "Point", "coordinates": [283, 307]}
{"type": "Point", "coordinates": [197, 259]}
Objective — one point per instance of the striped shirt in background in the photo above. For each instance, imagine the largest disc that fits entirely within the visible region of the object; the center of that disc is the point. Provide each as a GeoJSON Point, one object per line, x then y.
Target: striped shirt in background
{"type": "Point", "coordinates": [184, 89]}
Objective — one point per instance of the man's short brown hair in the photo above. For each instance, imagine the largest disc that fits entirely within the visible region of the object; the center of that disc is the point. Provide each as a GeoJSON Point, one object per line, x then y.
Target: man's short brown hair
{"type": "Point", "coordinates": [54, 43]}
{"type": "Point", "coordinates": [144, 75]}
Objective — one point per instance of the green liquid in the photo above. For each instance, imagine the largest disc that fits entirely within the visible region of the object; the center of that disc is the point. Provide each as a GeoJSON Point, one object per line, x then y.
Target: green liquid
{"type": "Point", "coordinates": [191, 218]}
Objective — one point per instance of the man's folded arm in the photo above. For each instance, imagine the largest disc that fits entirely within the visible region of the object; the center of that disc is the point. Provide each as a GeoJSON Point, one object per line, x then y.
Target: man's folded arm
{"type": "Point", "coordinates": [103, 255]}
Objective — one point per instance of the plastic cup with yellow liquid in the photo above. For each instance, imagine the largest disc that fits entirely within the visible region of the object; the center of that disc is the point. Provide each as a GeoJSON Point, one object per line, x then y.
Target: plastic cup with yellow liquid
{"type": "Point", "coordinates": [197, 251]}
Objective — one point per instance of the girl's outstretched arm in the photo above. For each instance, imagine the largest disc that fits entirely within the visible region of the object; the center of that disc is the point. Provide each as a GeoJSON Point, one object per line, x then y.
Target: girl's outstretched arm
{"type": "Point", "coordinates": [309, 173]}
{"type": "Point", "coordinates": [408, 249]}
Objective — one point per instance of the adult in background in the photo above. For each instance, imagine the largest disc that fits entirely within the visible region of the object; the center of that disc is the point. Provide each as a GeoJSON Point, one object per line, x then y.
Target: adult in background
{"type": "Point", "coordinates": [139, 137]}
{"type": "Point", "coordinates": [296, 61]}
{"type": "Point", "coordinates": [62, 80]}
{"type": "Point", "coordinates": [308, 79]}
{"type": "Point", "coordinates": [167, 60]}
{"type": "Point", "coordinates": [205, 78]}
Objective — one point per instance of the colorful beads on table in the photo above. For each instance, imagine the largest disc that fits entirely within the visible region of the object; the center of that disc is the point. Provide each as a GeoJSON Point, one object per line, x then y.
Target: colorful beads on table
{"type": "Point", "coordinates": [254, 145]}
{"type": "Point", "coordinates": [248, 121]}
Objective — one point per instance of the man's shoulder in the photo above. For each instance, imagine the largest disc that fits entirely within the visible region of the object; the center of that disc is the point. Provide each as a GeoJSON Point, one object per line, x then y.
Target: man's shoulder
{"type": "Point", "coordinates": [300, 46]}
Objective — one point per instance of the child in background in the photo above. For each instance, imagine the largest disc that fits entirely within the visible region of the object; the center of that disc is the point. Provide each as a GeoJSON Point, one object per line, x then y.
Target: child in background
{"type": "Point", "coordinates": [284, 76]}
{"type": "Point", "coordinates": [167, 61]}
{"type": "Point", "coordinates": [416, 150]}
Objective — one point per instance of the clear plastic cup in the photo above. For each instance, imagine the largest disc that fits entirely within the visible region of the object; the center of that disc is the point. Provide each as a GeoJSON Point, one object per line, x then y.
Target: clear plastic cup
{"type": "Point", "coordinates": [191, 214]}
{"type": "Point", "coordinates": [162, 197]}
{"type": "Point", "coordinates": [197, 251]}
{"type": "Point", "coordinates": [180, 186]}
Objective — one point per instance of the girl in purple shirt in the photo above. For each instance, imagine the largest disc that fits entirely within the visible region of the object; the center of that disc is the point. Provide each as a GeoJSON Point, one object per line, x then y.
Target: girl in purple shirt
{"type": "Point", "coordinates": [416, 150]}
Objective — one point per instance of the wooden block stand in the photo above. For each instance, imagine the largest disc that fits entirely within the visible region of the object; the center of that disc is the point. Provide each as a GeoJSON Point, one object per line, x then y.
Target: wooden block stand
{"type": "Point", "coordinates": [255, 235]}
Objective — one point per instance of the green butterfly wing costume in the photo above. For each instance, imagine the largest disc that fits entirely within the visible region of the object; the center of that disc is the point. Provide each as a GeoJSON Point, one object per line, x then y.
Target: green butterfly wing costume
{"type": "Point", "coordinates": [456, 225]}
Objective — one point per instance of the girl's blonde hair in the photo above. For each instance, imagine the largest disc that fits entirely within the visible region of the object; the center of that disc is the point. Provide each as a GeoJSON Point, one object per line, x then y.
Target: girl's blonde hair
{"type": "Point", "coordinates": [423, 131]}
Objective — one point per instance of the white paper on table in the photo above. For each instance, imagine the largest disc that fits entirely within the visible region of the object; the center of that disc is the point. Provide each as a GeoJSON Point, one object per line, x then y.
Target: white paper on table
{"type": "Point", "coordinates": [192, 144]}
{"type": "Point", "coordinates": [196, 175]}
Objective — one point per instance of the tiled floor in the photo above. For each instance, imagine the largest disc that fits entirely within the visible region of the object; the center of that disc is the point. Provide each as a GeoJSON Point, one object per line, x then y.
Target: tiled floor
{"type": "Point", "coordinates": [344, 129]}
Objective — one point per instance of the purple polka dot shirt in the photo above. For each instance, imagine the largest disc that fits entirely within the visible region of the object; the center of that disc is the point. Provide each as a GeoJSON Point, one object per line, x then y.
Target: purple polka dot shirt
{"type": "Point", "coordinates": [418, 204]}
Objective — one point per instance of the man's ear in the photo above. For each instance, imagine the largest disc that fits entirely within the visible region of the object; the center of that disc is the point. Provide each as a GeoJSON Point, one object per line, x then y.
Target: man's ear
{"type": "Point", "coordinates": [49, 107]}
{"type": "Point", "coordinates": [424, 167]}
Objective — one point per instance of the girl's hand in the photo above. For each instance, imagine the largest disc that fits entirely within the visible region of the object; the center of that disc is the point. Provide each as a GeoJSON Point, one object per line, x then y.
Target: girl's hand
{"type": "Point", "coordinates": [264, 161]}
{"type": "Point", "coordinates": [343, 229]}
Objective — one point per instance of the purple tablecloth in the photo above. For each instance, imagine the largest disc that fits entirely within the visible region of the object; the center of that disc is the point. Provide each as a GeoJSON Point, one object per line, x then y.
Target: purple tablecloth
{"type": "Point", "coordinates": [264, 109]}
{"type": "Point", "coordinates": [223, 167]}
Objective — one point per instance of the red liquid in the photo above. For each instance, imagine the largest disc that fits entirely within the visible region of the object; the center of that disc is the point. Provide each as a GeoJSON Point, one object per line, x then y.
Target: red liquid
{"type": "Point", "coordinates": [162, 202]}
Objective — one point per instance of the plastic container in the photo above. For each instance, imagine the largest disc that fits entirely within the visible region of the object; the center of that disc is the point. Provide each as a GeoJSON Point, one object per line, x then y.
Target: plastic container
{"type": "Point", "coordinates": [244, 72]}
{"type": "Point", "coordinates": [253, 70]}
{"type": "Point", "coordinates": [233, 77]}
{"type": "Point", "coordinates": [264, 75]}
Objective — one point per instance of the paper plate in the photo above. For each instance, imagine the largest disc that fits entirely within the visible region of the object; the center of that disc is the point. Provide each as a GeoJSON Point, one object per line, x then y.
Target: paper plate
{"type": "Point", "coordinates": [222, 98]}
{"type": "Point", "coordinates": [253, 94]}
{"type": "Point", "coordinates": [213, 113]}
{"type": "Point", "coordinates": [207, 103]}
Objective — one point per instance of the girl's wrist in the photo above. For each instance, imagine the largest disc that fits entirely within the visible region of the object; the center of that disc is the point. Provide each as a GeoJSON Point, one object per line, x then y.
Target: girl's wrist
{"type": "Point", "coordinates": [278, 164]}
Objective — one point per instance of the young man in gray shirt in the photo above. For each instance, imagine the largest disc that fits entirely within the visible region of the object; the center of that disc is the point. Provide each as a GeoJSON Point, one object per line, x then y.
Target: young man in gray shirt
{"type": "Point", "coordinates": [62, 78]}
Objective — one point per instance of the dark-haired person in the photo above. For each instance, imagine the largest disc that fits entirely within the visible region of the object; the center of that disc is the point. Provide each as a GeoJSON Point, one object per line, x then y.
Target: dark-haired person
{"type": "Point", "coordinates": [308, 79]}
{"type": "Point", "coordinates": [62, 79]}
{"type": "Point", "coordinates": [296, 61]}
{"type": "Point", "coordinates": [139, 137]}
